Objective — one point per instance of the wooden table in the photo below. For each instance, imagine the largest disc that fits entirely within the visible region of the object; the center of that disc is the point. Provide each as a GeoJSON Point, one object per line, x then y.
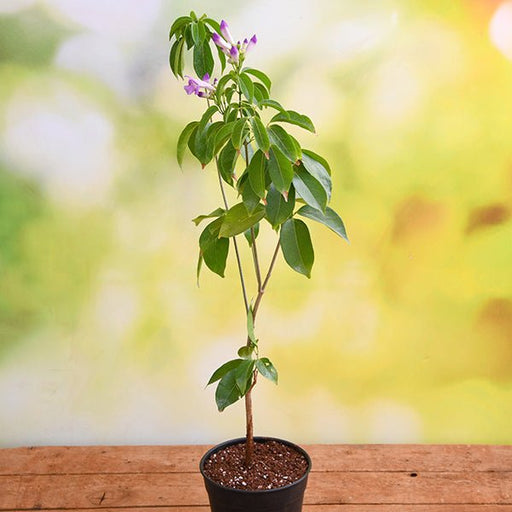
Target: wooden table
{"type": "Point", "coordinates": [348, 478]}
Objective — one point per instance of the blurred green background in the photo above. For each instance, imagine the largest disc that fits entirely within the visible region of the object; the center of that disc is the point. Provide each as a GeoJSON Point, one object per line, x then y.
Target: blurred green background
{"type": "Point", "coordinates": [405, 335]}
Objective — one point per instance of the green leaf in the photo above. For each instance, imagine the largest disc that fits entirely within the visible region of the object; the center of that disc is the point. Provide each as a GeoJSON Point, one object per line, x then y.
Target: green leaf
{"type": "Point", "coordinates": [280, 170]}
{"type": "Point", "coordinates": [262, 77]}
{"type": "Point", "coordinates": [248, 233]}
{"type": "Point", "coordinates": [267, 369]}
{"type": "Point", "coordinates": [178, 24]}
{"type": "Point", "coordinates": [222, 136]}
{"type": "Point", "coordinates": [213, 24]}
{"type": "Point", "coordinates": [214, 249]}
{"type": "Point", "coordinates": [250, 199]}
{"type": "Point", "coordinates": [280, 138]}
{"type": "Point", "coordinates": [275, 105]}
{"type": "Point", "coordinates": [319, 172]}
{"type": "Point", "coordinates": [246, 86]}
{"type": "Point", "coordinates": [246, 352]}
{"type": "Point", "coordinates": [223, 370]}
{"type": "Point", "coordinates": [216, 213]}
{"type": "Point", "coordinates": [260, 92]}
{"type": "Point", "coordinates": [207, 115]}
{"type": "Point", "coordinates": [310, 189]}
{"type": "Point", "coordinates": [203, 59]}
{"type": "Point", "coordinates": [250, 326]}
{"type": "Point", "coordinates": [256, 171]}
{"type": "Point", "coordinates": [238, 219]}
{"type": "Point", "coordinates": [244, 375]}
{"type": "Point", "coordinates": [177, 58]}
{"type": "Point", "coordinates": [297, 248]}
{"type": "Point", "coordinates": [199, 265]}
{"type": "Point", "coordinates": [194, 27]}
{"type": "Point", "coordinates": [227, 391]}
{"type": "Point", "coordinates": [330, 219]}
{"type": "Point", "coordinates": [221, 84]}
{"type": "Point", "coordinates": [239, 133]}
{"type": "Point", "coordinates": [226, 162]}
{"type": "Point", "coordinates": [322, 161]}
{"type": "Point", "coordinates": [260, 135]}
{"type": "Point", "coordinates": [183, 141]}
{"type": "Point", "coordinates": [198, 145]}
{"type": "Point", "coordinates": [278, 209]}
{"type": "Point", "coordinates": [294, 118]}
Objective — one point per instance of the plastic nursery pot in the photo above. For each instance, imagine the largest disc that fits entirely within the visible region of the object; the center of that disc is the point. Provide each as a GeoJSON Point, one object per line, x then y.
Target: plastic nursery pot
{"type": "Point", "coordinates": [282, 499]}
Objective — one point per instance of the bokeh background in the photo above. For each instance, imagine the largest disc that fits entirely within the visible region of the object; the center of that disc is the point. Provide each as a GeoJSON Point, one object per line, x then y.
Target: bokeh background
{"type": "Point", "coordinates": [405, 335]}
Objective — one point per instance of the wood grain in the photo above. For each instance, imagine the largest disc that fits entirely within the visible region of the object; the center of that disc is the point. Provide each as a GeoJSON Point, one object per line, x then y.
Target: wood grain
{"type": "Point", "coordinates": [345, 478]}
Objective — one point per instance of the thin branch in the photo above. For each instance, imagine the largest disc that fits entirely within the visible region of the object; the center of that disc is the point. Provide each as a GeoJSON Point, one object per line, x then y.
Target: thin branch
{"type": "Point", "coordinates": [238, 261]}
{"type": "Point", "coordinates": [265, 282]}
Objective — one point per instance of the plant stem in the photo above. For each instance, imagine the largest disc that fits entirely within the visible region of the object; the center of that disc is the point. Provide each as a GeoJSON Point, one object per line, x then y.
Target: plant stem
{"type": "Point", "coordinates": [235, 244]}
{"type": "Point", "coordinates": [265, 282]}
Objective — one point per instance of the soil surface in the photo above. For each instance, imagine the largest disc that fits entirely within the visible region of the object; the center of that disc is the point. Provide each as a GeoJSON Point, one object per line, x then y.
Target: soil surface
{"type": "Point", "coordinates": [274, 465]}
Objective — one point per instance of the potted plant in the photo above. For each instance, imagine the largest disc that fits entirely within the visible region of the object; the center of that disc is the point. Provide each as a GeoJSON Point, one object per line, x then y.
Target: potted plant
{"type": "Point", "coordinates": [276, 182]}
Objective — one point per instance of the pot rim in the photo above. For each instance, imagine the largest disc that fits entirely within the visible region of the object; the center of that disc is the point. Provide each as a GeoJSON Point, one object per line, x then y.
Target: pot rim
{"type": "Point", "coordinates": [257, 439]}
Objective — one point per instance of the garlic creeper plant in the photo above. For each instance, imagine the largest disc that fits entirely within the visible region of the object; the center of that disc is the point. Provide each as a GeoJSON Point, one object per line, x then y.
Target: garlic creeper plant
{"type": "Point", "coordinates": [243, 130]}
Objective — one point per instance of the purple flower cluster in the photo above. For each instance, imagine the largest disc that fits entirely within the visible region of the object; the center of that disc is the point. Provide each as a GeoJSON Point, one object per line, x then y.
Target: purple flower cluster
{"type": "Point", "coordinates": [202, 88]}
{"type": "Point", "coordinates": [228, 46]}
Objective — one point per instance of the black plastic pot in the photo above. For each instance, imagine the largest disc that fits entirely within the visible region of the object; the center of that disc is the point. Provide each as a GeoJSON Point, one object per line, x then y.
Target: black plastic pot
{"type": "Point", "coordinates": [282, 499]}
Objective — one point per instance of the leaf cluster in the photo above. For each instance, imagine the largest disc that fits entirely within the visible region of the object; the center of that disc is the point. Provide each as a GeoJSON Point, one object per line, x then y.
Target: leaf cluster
{"type": "Point", "coordinates": [244, 133]}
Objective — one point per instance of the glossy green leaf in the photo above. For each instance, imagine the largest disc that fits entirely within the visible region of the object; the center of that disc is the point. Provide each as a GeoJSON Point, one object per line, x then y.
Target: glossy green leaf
{"type": "Point", "coordinates": [222, 136]}
{"type": "Point", "coordinates": [203, 59]}
{"type": "Point", "coordinates": [198, 145]}
{"type": "Point", "coordinates": [177, 57]}
{"type": "Point", "coordinates": [239, 133]}
{"type": "Point", "coordinates": [226, 162]}
{"type": "Point", "coordinates": [238, 219]}
{"type": "Point", "coordinates": [296, 119]}
{"type": "Point", "coordinates": [223, 370]}
{"type": "Point", "coordinates": [257, 171]}
{"type": "Point", "coordinates": [260, 93]}
{"type": "Point", "coordinates": [213, 24]}
{"type": "Point", "coordinates": [275, 105]}
{"type": "Point", "coordinates": [183, 141]}
{"type": "Point", "coordinates": [178, 25]}
{"type": "Point", "coordinates": [216, 213]}
{"type": "Point", "coordinates": [310, 189]}
{"type": "Point", "coordinates": [194, 27]}
{"type": "Point", "coordinates": [322, 161]}
{"type": "Point", "coordinates": [278, 209]}
{"type": "Point", "coordinates": [227, 392]}
{"type": "Point", "coordinates": [280, 170]}
{"type": "Point", "coordinates": [246, 351]}
{"type": "Point", "coordinates": [244, 375]}
{"type": "Point", "coordinates": [280, 138]}
{"type": "Point", "coordinates": [297, 247]}
{"type": "Point", "coordinates": [207, 115]}
{"type": "Point", "coordinates": [260, 135]}
{"type": "Point", "coordinates": [330, 219]}
{"type": "Point", "coordinates": [319, 172]}
{"type": "Point", "coordinates": [214, 250]}
{"type": "Point", "coordinates": [267, 369]}
{"type": "Point", "coordinates": [262, 77]}
{"type": "Point", "coordinates": [250, 199]}
{"type": "Point", "coordinates": [247, 87]}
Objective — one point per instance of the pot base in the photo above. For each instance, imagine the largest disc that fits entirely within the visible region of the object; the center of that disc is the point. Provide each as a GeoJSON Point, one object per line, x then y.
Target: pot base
{"type": "Point", "coordinates": [286, 498]}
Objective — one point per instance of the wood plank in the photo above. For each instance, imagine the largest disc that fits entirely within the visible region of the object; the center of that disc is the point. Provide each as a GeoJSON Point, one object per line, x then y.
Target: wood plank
{"type": "Point", "coordinates": [318, 508]}
{"type": "Point", "coordinates": [143, 490]}
{"type": "Point", "coordinates": [169, 459]}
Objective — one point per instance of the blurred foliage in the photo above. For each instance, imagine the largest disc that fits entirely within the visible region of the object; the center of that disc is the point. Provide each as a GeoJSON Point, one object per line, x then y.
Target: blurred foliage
{"type": "Point", "coordinates": [406, 334]}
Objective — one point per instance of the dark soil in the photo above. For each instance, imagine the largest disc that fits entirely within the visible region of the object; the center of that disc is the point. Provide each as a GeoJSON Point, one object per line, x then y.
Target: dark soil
{"type": "Point", "coordinates": [275, 465]}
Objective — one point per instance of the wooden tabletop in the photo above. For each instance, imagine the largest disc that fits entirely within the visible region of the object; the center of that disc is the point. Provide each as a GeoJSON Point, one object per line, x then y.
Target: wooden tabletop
{"type": "Point", "coordinates": [348, 478]}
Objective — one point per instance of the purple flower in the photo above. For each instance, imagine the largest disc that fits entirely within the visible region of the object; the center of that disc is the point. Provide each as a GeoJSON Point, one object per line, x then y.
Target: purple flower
{"type": "Point", "coordinates": [201, 88]}
{"type": "Point", "coordinates": [234, 52]}
{"type": "Point", "coordinates": [224, 30]}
